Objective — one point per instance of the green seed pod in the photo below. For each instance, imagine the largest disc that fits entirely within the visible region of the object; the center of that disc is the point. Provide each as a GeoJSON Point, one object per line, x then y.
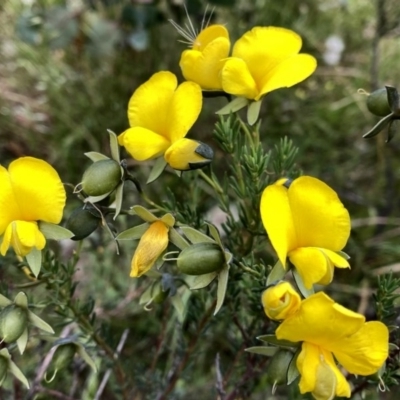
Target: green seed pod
{"type": "Point", "coordinates": [200, 259]}
{"type": "Point", "coordinates": [101, 177]}
{"type": "Point", "coordinates": [82, 222]}
{"type": "Point", "coordinates": [278, 367]}
{"type": "Point", "coordinates": [13, 322]}
{"type": "Point", "coordinates": [63, 356]}
{"type": "Point", "coordinates": [4, 363]}
{"type": "Point", "coordinates": [377, 103]}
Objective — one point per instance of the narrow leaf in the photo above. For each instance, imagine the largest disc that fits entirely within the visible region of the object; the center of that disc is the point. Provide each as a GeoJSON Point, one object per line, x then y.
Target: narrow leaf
{"type": "Point", "coordinates": [143, 213]}
{"type": "Point", "coordinates": [393, 128]}
{"type": "Point", "coordinates": [253, 112]}
{"type": "Point", "coordinates": [272, 339]}
{"type": "Point", "coordinates": [393, 99]}
{"type": "Point", "coordinates": [119, 194]}
{"type": "Point", "coordinates": [195, 236]}
{"type": "Point", "coordinates": [134, 233]}
{"type": "Point", "coordinates": [177, 239]}
{"type": "Point", "coordinates": [235, 105]}
{"type": "Point", "coordinates": [179, 307]}
{"type": "Point", "coordinates": [12, 367]}
{"type": "Point", "coordinates": [85, 357]}
{"type": "Point", "coordinates": [168, 219]}
{"type": "Point", "coordinates": [114, 145]}
{"type": "Point", "coordinates": [378, 127]}
{"type": "Point", "coordinates": [21, 300]}
{"type": "Point", "coordinates": [292, 372]}
{"type": "Point", "coordinates": [39, 323]}
{"type": "Point", "coordinates": [277, 273]}
{"type": "Point", "coordinates": [157, 169]}
{"type": "Point", "coordinates": [96, 199]}
{"type": "Point", "coordinates": [22, 341]}
{"type": "Point", "coordinates": [215, 234]}
{"type": "Point", "coordinates": [34, 259]}
{"type": "Point", "coordinates": [222, 286]}
{"type": "Point", "coordinates": [263, 350]}
{"type": "Point", "coordinates": [201, 281]}
{"type": "Point", "coordinates": [95, 156]}
{"type": "Point", "coordinates": [4, 302]}
{"type": "Point", "coordinates": [54, 232]}
{"type": "Point", "coordinates": [300, 285]}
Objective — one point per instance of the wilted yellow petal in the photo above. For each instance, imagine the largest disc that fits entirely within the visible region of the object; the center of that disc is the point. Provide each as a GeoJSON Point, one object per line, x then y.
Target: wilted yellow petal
{"type": "Point", "coordinates": [22, 236]}
{"type": "Point", "coordinates": [151, 245]}
{"type": "Point", "coordinates": [143, 144]}
{"type": "Point", "coordinates": [183, 111]}
{"type": "Point", "coordinates": [38, 190]}
{"type": "Point", "coordinates": [149, 105]}
{"type": "Point", "coordinates": [209, 35]}
{"type": "Point", "coordinates": [277, 219]}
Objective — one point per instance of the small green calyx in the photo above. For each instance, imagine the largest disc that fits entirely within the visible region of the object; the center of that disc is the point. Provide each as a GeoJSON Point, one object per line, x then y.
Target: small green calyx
{"type": "Point", "coordinates": [377, 102]}
{"type": "Point", "coordinates": [13, 322]}
{"type": "Point", "coordinates": [83, 221]}
{"type": "Point", "coordinates": [101, 177]}
{"type": "Point", "coordinates": [278, 367]}
{"type": "Point", "coordinates": [201, 258]}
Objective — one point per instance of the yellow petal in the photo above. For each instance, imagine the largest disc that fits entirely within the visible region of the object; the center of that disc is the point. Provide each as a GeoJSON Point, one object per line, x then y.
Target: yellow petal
{"type": "Point", "coordinates": [320, 218]}
{"type": "Point", "coordinates": [288, 73]}
{"type": "Point", "coordinates": [187, 154]}
{"type": "Point", "coordinates": [38, 190]}
{"type": "Point", "coordinates": [364, 352]}
{"type": "Point", "coordinates": [311, 263]}
{"type": "Point", "coordinates": [210, 34]}
{"type": "Point", "coordinates": [143, 144]}
{"type": "Point", "coordinates": [204, 67]}
{"type": "Point", "coordinates": [337, 260]}
{"type": "Point", "coordinates": [236, 79]}
{"type": "Point", "coordinates": [184, 110]}
{"type": "Point", "coordinates": [277, 219]}
{"type": "Point", "coordinates": [22, 236]}
{"type": "Point", "coordinates": [149, 104]}
{"type": "Point", "coordinates": [151, 245]}
{"type": "Point", "coordinates": [320, 321]}
{"type": "Point", "coordinates": [9, 210]}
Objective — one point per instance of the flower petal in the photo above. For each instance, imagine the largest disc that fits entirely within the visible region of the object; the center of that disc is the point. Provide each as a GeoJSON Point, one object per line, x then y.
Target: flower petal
{"type": "Point", "coordinates": [320, 321]}
{"type": "Point", "coordinates": [364, 352]}
{"type": "Point", "coordinates": [210, 34]}
{"type": "Point", "coordinates": [143, 144]}
{"type": "Point", "coordinates": [311, 263]}
{"type": "Point", "coordinates": [236, 79]}
{"type": "Point", "coordinates": [288, 73]}
{"type": "Point", "coordinates": [151, 245]}
{"type": "Point", "coordinates": [149, 104]}
{"type": "Point", "coordinates": [277, 219]}
{"type": "Point", "coordinates": [38, 190]}
{"type": "Point", "coordinates": [320, 218]}
{"type": "Point", "coordinates": [9, 210]}
{"type": "Point", "coordinates": [184, 110]}
{"type": "Point", "coordinates": [337, 260]}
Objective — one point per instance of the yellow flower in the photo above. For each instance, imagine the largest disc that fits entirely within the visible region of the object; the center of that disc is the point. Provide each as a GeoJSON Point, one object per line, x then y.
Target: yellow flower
{"type": "Point", "coordinates": [265, 59]}
{"type": "Point", "coordinates": [307, 223]}
{"type": "Point", "coordinates": [160, 113]}
{"type": "Point", "coordinates": [30, 191]}
{"type": "Point", "coordinates": [328, 329]}
{"type": "Point", "coordinates": [280, 301]}
{"type": "Point", "coordinates": [203, 62]}
{"type": "Point", "coordinates": [151, 245]}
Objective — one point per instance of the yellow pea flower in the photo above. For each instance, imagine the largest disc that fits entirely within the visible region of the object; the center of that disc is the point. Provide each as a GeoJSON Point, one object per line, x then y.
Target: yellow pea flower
{"type": "Point", "coordinates": [160, 113]}
{"type": "Point", "coordinates": [151, 245]}
{"type": "Point", "coordinates": [265, 59]}
{"type": "Point", "coordinates": [30, 191]}
{"type": "Point", "coordinates": [280, 301]}
{"type": "Point", "coordinates": [307, 223]}
{"type": "Point", "coordinates": [329, 330]}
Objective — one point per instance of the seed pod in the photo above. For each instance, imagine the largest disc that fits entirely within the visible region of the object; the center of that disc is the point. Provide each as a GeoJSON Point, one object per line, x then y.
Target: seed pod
{"type": "Point", "coordinates": [63, 356]}
{"type": "Point", "coordinates": [82, 222]}
{"type": "Point", "coordinates": [201, 258]}
{"type": "Point", "coordinates": [278, 367]}
{"type": "Point", "coordinates": [377, 103]}
{"type": "Point", "coordinates": [101, 177]}
{"type": "Point", "coordinates": [13, 322]}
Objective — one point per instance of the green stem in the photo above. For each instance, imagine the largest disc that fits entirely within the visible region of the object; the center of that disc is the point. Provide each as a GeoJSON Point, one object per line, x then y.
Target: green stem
{"type": "Point", "coordinates": [250, 271]}
{"type": "Point", "coordinates": [211, 182]}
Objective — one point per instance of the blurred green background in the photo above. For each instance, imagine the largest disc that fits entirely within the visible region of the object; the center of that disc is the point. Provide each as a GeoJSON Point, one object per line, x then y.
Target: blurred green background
{"type": "Point", "coordinates": [67, 71]}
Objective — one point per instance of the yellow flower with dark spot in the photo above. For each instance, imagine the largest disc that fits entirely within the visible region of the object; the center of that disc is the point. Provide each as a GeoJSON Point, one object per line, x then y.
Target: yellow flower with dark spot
{"type": "Point", "coordinates": [265, 59]}
{"type": "Point", "coordinates": [30, 191]}
{"type": "Point", "coordinates": [330, 330]}
{"type": "Point", "coordinates": [307, 223]}
{"type": "Point", "coordinates": [151, 245]}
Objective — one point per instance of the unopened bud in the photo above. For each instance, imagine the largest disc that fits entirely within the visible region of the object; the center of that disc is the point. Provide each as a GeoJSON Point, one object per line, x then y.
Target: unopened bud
{"type": "Point", "coordinates": [82, 222]}
{"type": "Point", "coordinates": [278, 367]}
{"type": "Point", "coordinates": [13, 322]}
{"type": "Point", "coordinates": [101, 177]}
{"type": "Point", "coordinates": [377, 102]}
{"type": "Point", "coordinates": [201, 258]}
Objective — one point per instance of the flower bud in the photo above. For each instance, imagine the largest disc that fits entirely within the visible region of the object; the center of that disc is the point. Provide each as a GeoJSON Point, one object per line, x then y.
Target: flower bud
{"type": "Point", "coordinates": [278, 367]}
{"type": "Point", "coordinates": [13, 322]}
{"type": "Point", "coordinates": [101, 177]}
{"type": "Point", "coordinates": [377, 102]}
{"type": "Point", "coordinates": [201, 258]}
{"type": "Point", "coordinates": [280, 301]}
{"type": "Point", "coordinates": [82, 222]}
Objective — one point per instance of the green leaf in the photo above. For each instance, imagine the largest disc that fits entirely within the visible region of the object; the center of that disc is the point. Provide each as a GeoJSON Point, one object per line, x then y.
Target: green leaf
{"type": "Point", "coordinates": [179, 307]}
{"type": "Point", "coordinates": [168, 219]}
{"type": "Point", "coordinates": [22, 341]}
{"type": "Point", "coordinates": [119, 194]}
{"type": "Point", "coordinates": [263, 350]}
{"type": "Point", "coordinates": [177, 239]}
{"type": "Point", "coordinates": [95, 156]}
{"type": "Point", "coordinates": [195, 236]}
{"type": "Point", "coordinates": [222, 286]}
{"type": "Point", "coordinates": [147, 296]}
{"type": "Point", "coordinates": [157, 170]}
{"type": "Point", "coordinates": [253, 112]}
{"type": "Point", "coordinates": [235, 105]}
{"type": "Point", "coordinates": [378, 127]}
{"type": "Point", "coordinates": [96, 199]}
{"type": "Point", "coordinates": [277, 273]}
{"type": "Point", "coordinates": [201, 281]}
{"type": "Point", "coordinates": [134, 233]}
{"type": "Point", "coordinates": [54, 232]}
{"type": "Point", "coordinates": [272, 339]}
{"type": "Point", "coordinates": [143, 213]}
{"type": "Point", "coordinates": [4, 302]}
{"type": "Point", "coordinates": [343, 254]}
{"type": "Point", "coordinates": [293, 372]}
{"type": "Point", "coordinates": [300, 285]}
{"type": "Point", "coordinates": [215, 234]}
{"type": "Point", "coordinates": [85, 357]}
{"type": "Point", "coordinates": [393, 99]}
{"type": "Point", "coordinates": [39, 323]}
{"type": "Point", "coordinates": [114, 145]}
{"type": "Point", "coordinates": [12, 367]}
{"type": "Point", "coordinates": [34, 259]}
{"type": "Point", "coordinates": [21, 300]}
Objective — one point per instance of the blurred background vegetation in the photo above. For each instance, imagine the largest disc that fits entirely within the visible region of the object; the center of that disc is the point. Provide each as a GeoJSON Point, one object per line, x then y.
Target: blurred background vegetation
{"type": "Point", "coordinates": [67, 71]}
